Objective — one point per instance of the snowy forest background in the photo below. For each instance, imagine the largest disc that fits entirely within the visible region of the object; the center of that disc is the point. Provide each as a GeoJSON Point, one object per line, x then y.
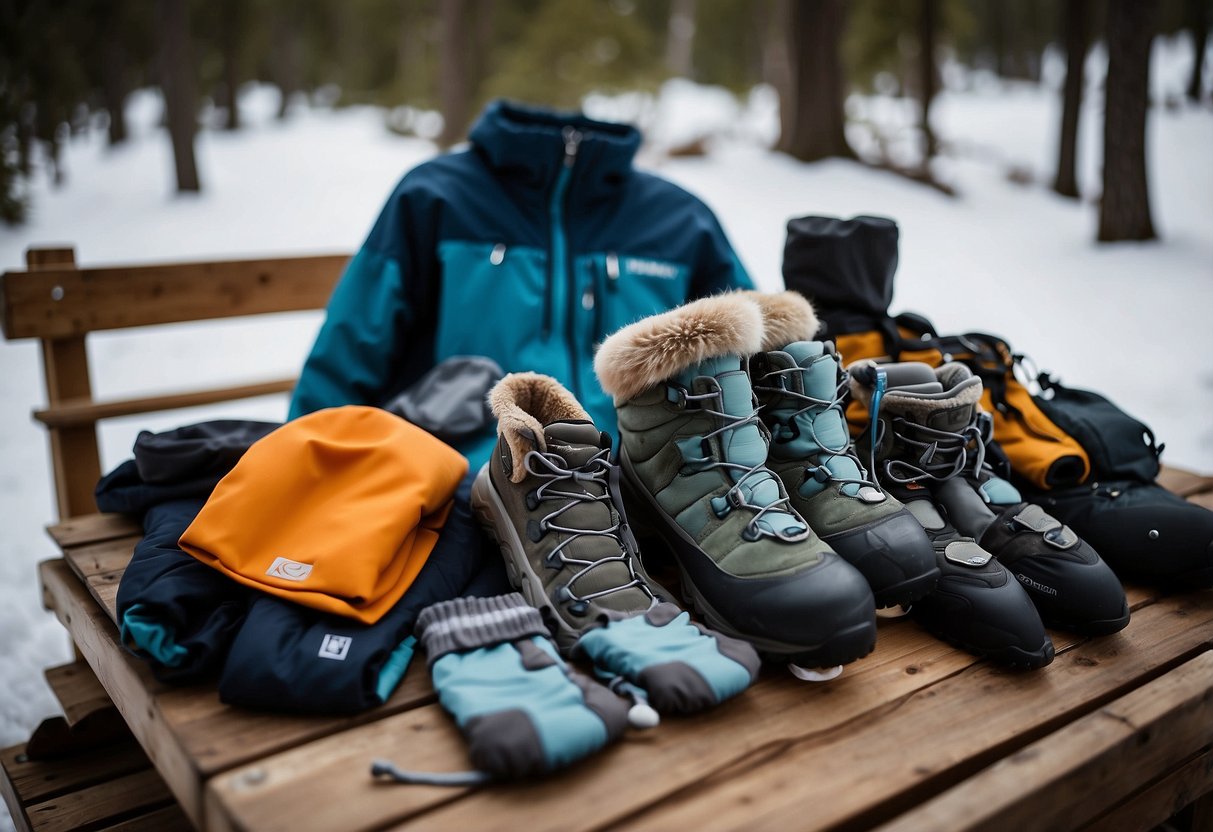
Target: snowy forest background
{"type": "Point", "coordinates": [172, 130]}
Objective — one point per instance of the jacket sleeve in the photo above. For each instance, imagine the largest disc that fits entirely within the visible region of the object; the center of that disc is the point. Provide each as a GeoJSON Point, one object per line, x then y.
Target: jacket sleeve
{"type": "Point", "coordinates": [718, 268]}
{"type": "Point", "coordinates": [359, 350]}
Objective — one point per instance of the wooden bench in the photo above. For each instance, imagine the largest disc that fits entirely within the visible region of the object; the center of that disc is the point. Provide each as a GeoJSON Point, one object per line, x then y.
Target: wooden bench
{"type": "Point", "coordinates": [1117, 733]}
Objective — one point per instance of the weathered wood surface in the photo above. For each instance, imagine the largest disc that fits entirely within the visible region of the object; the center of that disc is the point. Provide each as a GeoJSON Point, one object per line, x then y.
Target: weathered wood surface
{"type": "Point", "coordinates": [57, 301]}
{"type": "Point", "coordinates": [92, 528]}
{"type": "Point", "coordinates": [112, 787]}
{"type": "Point", "coordinates": [76, 412]}
{"type": "Point", "coordinates": [78, 691]}
{"type": "Point", "coordinates": [909, 729]}
{"type": "Point", "coordinates": [113, 800]}
{"type": "Point", "coordinates": [1158, 800]}
{"type": "Point", "coordinates": [1155, 727]}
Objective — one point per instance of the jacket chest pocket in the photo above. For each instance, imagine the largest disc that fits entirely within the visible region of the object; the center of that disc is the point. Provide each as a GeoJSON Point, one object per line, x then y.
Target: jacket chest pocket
{"type": "Point", "coordinates": [492, 301]}
{"type": "Point", "coordinates": [623, 289]}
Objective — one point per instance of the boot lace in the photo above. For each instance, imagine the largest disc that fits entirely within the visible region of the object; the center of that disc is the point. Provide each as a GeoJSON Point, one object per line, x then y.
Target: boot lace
{"type": "Point", "coordinates": [821, 472]}
{"type": "Point", "coordinates": [941, 454]}
{"type": "Point", "coordinates": [735, 496]}
{"type": "Point", "coordinates": [557, 475]}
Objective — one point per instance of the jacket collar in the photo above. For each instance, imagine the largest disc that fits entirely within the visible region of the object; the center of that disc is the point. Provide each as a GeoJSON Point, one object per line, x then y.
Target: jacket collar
{"type": "Point", "coordinates": [526, 145]}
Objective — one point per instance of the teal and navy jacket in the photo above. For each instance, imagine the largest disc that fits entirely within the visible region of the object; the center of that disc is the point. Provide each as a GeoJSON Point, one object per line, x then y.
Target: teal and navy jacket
{"type": "Point", "coordinates": [529, 247]}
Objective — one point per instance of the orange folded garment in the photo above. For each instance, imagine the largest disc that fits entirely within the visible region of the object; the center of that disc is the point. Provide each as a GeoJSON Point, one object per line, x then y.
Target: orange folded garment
{"type": "Point", "coordinates": [337, 510]}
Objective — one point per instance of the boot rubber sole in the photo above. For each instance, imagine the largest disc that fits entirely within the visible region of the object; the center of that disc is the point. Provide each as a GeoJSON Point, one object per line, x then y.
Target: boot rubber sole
{"type": "Point", "coordinates": [907, 592]}
{"type": "Point", "coordinates": [1010, 656]}
{"type": "Point", "coordinates": [1090, 628]}
{"type": "Point", "coordinates": [842, 647]}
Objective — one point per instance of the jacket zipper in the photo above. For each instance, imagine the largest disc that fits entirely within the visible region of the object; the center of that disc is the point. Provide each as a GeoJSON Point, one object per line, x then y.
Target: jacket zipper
{"type": "Point", "coordinates": [559, 259]}
{"type": "Point", "coordinates": [612, 279]}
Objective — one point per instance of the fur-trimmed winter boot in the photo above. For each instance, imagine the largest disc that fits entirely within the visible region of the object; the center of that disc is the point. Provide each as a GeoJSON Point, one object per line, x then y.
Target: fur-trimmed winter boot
{"type": "Point", "coordinates": [937, 438]}
{"type": "Point", "coordinates": [977, 604]}
{"type": "Point", "coordinates": [693, 452]}
{"type": "Point", "coordinates": [549, 497]}
{"type": "Point", "coordinates": [800, 384]}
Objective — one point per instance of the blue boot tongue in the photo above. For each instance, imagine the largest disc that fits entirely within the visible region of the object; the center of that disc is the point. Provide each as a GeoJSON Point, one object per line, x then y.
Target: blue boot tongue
{"type": "Point", "coordinates": [742, 445]}
{"type": "Point", "coordinates": [823, 428]}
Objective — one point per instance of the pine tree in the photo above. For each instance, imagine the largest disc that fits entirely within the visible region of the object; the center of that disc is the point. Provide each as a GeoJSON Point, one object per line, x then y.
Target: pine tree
{"type": "Point", "coordinates": [1074, 36]}
{"type": "Point", "coordinates": [1124, 211]}
{"type": "Point", "coordinates": [177, 82]}
{"type": "Point", "coordinates": [811, 111]}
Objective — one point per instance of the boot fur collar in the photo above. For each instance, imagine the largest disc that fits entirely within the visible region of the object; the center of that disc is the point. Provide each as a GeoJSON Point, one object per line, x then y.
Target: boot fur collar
{"type": "Point", "coordinates": [646, 353]}
{"type": "Point", "coordinates": [523, 403]}
{"type": "Point", "coordinates": [787, 317]}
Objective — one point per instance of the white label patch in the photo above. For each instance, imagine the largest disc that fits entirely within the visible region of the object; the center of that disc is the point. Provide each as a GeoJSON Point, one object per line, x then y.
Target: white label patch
{"type": "Point", "coordinates": [651, 268]}
{"type": "Point", "coordinates": [335, 647]}
{"type": "Point", "coordinates": [289, 570]}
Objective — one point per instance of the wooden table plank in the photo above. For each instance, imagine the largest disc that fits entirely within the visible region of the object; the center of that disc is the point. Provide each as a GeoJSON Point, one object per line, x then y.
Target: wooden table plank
{"type": "Point", "coordinates": [168, 819]}
{"type": "Point", "coordinates": [111, 555]}
{"type": "Point", "coordinates": [189, 734]}
{"type": "Point", "coordinates": [92, 528]}
{"type": "Point", "coordinates": [890, 760]}
{"type": "Point", "coordinates": [131, 794]}
{"type": "Point", "coordinates": [1161, 799]}
{"type": "Point", "coordinates": [906, 659]}
{"type": "Point", "coordinates": [1183, 482]}
{"type": "Point", "coordinates": [79, 693]}
{"type": "Point", "coordinates": [35, 781]}
{"type": "Point", "coordinates": [1106, 753]}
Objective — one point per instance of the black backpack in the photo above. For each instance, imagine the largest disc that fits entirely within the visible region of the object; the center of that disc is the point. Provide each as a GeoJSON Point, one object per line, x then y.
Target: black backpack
{"type": "Point", "coordinates": [1092, 465]}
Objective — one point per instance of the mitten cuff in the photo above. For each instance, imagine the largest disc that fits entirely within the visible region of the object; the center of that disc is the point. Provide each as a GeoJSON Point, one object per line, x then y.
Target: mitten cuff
{"type": "Point", "coordinates": [468, 623]}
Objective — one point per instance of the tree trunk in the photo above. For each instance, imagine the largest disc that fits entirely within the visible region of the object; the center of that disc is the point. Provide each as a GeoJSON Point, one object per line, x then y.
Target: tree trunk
{"type": "Point", "coordinates": [177, 82]}
{"type": "Point", "coordinates": [287, 64]}
{"type": "Point", "coordinates": [1124, 211]}
{"type": "Point", "coordinates": [230, 29]}
{"type": "Point", "coordinates": [1074, 33]}
{"type": "Point", "coordinates": [115, 80]}
{"type": "Point", "coordinates": [1198, 14]}
{"type": "Point", "coordinates": [484, 28]}
{"type": "Point", "coordinates": [812, 115]}
{"type": "Point", "coordinates": [454, 96]}
{"type": "Point", "coordinates": [927, 75]}
{"type": "Point", "coordinates": [680, 39]}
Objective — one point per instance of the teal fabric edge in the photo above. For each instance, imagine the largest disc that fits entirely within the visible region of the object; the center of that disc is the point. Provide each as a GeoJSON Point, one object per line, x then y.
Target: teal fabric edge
{"type": "Point", "coordinates": [395, 666]}
{"type": "Point", "coordinates": [141, 629]}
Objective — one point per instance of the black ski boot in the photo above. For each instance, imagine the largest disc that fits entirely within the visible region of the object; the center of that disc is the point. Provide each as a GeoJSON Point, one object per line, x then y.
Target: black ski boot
{"type": "Point", "coordinates": [977, 604]}
{"type": "Point", "coordinates": [934, 418]}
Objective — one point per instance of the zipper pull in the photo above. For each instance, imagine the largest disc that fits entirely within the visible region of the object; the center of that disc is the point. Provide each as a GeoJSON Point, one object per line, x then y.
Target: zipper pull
{"type": "Point", "coordinates": [612, 268]}
{"type": "Point", "coordinates": [572, 139]}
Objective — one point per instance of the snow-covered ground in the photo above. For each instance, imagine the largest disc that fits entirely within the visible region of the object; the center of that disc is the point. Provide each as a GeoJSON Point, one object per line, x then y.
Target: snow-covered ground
{"type": "Point", "coordinates": [1131, 320]}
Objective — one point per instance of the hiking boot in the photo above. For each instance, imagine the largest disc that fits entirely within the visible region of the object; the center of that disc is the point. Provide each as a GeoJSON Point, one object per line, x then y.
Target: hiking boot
{"type": "Point", "coordinates": [1068, 582]}
{"type": "Point", "coordinates": [800, 384]}
{"type": "Point", "coordinates": [549, 497]}
{"type": "Point", "coordinates": [937, 421]}
{"type": "Point", "coordinates": [977, 604]}
{"type": "Point", "coordinates": [692, 451]}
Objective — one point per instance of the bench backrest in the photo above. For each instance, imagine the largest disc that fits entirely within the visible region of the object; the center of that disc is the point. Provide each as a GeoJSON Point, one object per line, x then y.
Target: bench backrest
{"type": "Point", "coordinates": [59, 303]}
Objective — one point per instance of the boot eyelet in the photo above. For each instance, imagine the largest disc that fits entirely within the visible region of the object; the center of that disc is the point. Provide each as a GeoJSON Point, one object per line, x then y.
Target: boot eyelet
{"type": "Point", "coordinates": [552, 560]}
{"type": "Point", "coordinates": [535, 531]}
{"type": "Point", "coordinates": [750, 534]}
{"type": "Point", "coordinates": [532, 501]}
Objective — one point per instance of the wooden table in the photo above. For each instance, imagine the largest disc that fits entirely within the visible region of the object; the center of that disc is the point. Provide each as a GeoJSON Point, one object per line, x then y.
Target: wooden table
{"type": "Point", "coordinates": [1115, 734]}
